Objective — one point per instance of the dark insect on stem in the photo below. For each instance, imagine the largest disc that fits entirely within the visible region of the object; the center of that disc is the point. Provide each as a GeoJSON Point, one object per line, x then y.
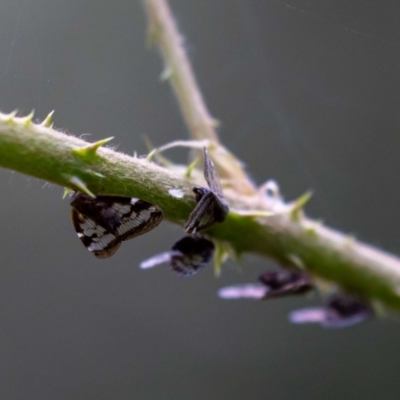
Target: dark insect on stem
{"type": "Point", "coordinates": [211, 204]}
{"type": "Point", "coordinates": [340, 311]}
{"type": "Point", "coordinates": [285, 283]}
{"type": "Point", "coordinates": [273, 284]}
{"type": "Point", "coordinates": [104, 222]}
{"type": "Point", "coordinates": [187, 256]}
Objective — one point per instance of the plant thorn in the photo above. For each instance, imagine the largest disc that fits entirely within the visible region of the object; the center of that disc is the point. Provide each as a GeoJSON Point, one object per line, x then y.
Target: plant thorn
{"type": "Point", "coordinates": [47, 122]}
{"type": "Point", "coordinates": [151, 155]}
{"type": "Point", "coordinates": [89, 151]}
{"type": "Point", "coordinates": [27, 121]}
{"type": "Point", "coordinates": [297, 206]}
{"type": "Point", "coordinates": [67, 191]}
{"type": "Point", "coordinates": [191, 167]}
{"type": "Point", "coordinates": [10, 117]}
{"type": "Point", "coordinates": [79, 184]}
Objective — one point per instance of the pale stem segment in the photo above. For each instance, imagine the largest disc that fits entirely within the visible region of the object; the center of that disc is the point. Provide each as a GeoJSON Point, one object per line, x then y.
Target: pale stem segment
{"type": "Point", "coordinates": [177, 69]}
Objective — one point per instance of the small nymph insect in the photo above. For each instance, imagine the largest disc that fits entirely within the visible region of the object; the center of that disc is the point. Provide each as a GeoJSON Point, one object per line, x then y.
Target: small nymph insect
{"type": "Point", "coordinates": [273, 284]}
{"type": "Point", "coordinates": [104, 222]}
{"type": "Point", "coordinates": [340, 311]}
{"type": "Point", "coordinates": [187, 256]}
{"type": "Point", "coordinates": [211, 204]}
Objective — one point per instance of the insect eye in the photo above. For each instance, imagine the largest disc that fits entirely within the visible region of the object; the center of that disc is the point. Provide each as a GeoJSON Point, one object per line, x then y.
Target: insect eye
{"type": "Point", "coordinates": [199, 193]}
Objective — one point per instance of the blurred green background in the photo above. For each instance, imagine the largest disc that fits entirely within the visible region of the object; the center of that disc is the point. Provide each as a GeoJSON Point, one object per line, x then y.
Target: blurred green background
{"type": "Point", "coordinates": [307, 93]}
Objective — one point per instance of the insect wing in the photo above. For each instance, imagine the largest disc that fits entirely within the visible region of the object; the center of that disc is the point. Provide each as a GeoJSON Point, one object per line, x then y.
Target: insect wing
{"type": "Point", "coordinates": [211, 204]}
{"type": "Point", "coordinates": [158, 259]}
{"type": "Point", "coordinates": [144, 217]}
{"type": "Point", "coordinates": [245, 291]}
{"type": "Point", "coordinates": [95, 238]}
{"type": "Point", "coordinates": [205, 212]}
{"type": "Point", "coordinates": [210, 174]}
{"type": "Point", "coordinates": [285, 282]}
{"type": "Point", "coordinates": [102, 223]}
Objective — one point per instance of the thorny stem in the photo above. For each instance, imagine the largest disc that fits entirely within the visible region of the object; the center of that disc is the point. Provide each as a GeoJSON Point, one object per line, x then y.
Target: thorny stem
{"type": "Point", "coordinates": [288, 237]}
{"type": "Point", "coordinates": [163, 31]}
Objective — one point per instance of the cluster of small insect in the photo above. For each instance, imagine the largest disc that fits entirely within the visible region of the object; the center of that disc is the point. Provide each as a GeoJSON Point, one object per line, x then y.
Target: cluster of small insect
{"type": "Point", "coordinates": [102, 223]}
{"type": "Point", "coordinates": [339, 311]}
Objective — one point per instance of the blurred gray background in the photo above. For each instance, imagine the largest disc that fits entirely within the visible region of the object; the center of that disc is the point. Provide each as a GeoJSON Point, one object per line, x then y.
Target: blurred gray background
{"type": "Point", "coordinates": [307, 93]}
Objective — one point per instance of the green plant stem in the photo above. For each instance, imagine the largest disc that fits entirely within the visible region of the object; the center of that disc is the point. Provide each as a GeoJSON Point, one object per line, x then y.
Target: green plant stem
{"type": "Point", "coordinates": [163, 31]}
{"type": "Point", "coordinates": [289, 238]}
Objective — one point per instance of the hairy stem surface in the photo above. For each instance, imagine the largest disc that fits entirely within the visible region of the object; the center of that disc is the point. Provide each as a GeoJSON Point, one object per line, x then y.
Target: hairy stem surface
{"type": "Point", "coordinates": [287, 236]}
